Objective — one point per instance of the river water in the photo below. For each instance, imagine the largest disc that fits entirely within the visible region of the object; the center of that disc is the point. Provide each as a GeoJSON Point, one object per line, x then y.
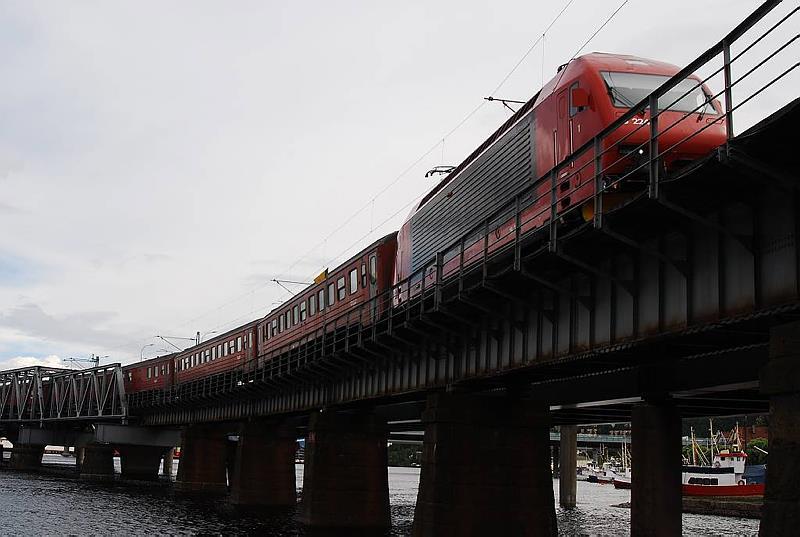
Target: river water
{"type": "Point", "coordinates": [47, 504]}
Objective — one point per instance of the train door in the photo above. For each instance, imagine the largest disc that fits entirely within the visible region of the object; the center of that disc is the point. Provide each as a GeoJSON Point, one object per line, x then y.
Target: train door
{"type": "Point", "coordinates": [566, 143]}
{"type": "Point", "coordinates": [373, 284]}
{"type": "Point", "coordinates": [563, 131]}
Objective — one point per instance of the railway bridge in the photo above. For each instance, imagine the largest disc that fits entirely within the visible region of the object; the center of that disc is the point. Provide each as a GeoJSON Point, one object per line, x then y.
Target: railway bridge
{"type": "Point", "coordinates": [677, 297]}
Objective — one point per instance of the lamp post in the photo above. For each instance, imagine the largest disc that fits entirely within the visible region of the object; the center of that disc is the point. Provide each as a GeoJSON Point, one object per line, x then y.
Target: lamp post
{"type": "Point", "coordinates": [141, 354]}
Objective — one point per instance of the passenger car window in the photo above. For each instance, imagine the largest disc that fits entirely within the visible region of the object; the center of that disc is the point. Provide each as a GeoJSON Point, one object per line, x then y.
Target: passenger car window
{"type": "Point", "coordinates": [341, 290]}
{"type": "Point", "coordinates": [373, 269]}
{"type": "Point", "coordinates": [303, 311]}
{"type": "Point", "coordinates": [312, 304]}
{"type": "Point", "coordinates": [332, 294]}
{"type": "Point", "coordinates": [321, 299]}
{"type": "Point", "coordinates": [353, 281]}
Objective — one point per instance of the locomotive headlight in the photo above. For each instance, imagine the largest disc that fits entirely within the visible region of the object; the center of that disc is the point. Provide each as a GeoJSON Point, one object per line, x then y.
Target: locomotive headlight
{"type": "Point", "coordinates": [630, 149]}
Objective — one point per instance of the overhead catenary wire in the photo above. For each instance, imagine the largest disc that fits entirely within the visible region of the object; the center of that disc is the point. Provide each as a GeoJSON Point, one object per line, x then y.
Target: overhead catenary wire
{"type": "Point", "coordinates": [580, 49]}
{"type": "Point", "coordinates": [440, 143]}
{"type": "Point", "coordinates": [370, 203]}
{"type": "Point", "coordinates": [447, 135]}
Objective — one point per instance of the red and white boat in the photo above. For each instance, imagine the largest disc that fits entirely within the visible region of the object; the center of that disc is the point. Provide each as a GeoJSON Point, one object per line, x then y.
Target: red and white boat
{"type": "Point", "coordinates": [725, 477]}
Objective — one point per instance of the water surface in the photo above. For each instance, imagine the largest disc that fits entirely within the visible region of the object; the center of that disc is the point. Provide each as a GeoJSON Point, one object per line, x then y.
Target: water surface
{"type": "Point", "coordinates": [36, 504]}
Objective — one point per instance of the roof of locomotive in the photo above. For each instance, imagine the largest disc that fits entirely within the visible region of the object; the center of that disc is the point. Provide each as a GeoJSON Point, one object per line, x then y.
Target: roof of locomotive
{"type": "Point", "coordinates": [596, 61]}
{"type": "Point", "coordinates": [602, 61]}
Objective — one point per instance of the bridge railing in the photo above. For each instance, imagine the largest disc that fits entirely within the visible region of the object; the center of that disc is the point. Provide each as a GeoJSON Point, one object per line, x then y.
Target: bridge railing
{"type": "Point", "coordinates": [548, 207]}
{"type": "Point", "coordinates": [541, 210]}
{"type": "Point", "coordinates": [44, 394]}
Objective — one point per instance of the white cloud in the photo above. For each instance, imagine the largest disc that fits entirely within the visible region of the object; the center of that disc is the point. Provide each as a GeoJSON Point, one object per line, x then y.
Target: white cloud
{"type": "Point", "coordinates": [19, 362]}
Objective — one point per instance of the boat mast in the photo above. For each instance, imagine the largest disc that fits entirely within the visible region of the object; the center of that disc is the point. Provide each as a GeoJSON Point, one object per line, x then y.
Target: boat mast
{"type": "Point", "coordinates": [713, 438]}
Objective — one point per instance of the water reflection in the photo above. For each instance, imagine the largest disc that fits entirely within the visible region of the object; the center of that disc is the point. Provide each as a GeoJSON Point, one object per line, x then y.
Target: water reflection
{"type": "Point", "coordinates": [36, 504]}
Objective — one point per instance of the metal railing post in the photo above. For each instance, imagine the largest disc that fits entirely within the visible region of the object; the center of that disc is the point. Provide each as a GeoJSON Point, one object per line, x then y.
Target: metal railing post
{"type": "Point", "coordinates": [485, 248]}
{"type": "Point", "coordinates": [517, 233]}
{"type": "Point", "coordinates": [726, 58]}
{"type": "Point", "coordinates": [653, 153]}
{"type": "Point", "coordinates": [437, 294]}
{"type": "Point", "coordinates": [461, 267]}
{"type": "Point", "coordinates": [553, 211]}
{"type": "Point", "coordinates": [597, 219]}
{"type": "Point", "coordinates": [425, 272]}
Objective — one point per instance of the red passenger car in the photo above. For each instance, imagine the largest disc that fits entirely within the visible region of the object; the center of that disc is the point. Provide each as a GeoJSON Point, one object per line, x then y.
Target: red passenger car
{"type": "Point", "coordinates": [154, 374]}
{"type": "Point", "coordinates": [219, 354]}
{"type": "Point", "coordinates": [586, 96]}
{"type": "Point", "coordinates": [363, 277]}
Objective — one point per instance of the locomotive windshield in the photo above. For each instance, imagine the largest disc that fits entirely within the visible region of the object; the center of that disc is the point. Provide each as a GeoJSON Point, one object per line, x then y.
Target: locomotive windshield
{"type": "Point", "coordinates": [627, 89]}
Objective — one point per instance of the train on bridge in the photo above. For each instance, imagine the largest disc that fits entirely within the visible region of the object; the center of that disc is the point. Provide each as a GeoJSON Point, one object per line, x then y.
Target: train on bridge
{"type": "Point", "coordinates": [536, 155]}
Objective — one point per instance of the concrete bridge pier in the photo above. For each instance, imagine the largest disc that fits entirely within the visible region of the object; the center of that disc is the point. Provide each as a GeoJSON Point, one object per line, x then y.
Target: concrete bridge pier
{"type": "Point", "coordinates": [140, 463]}
{"type": "Point", "coordinates": [780, 379]}
{"type": "Point", "coordinates": [95, 462]}
{"type": "Point", "coordinates": [345, 482]}
{"type": "Point", "coordinates": [264, 472]}
{"type": "Point", "coordinates": [568, 478]}
{"type": "Point", "coordinates": [555, 452]}
{"type": "Point", "coordinates": [26, 456]}
{"type": "Point", "coordinates": [656, 469]}
{"type": "Point", "coordinates": [485, 468]}
{"type": "Point", "coordinates": [169, 460]}
{"type": "Point", "coordinates": [204, 455]}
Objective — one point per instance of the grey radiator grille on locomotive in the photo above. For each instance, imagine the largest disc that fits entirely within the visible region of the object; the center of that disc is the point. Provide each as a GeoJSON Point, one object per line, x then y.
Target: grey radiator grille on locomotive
{"type": "Point", "coordinates": [481, 189]}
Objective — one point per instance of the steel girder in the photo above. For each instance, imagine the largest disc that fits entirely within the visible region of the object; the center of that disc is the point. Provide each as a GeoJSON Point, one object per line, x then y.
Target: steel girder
{"type": "Point", "coordinates": [46, 394]}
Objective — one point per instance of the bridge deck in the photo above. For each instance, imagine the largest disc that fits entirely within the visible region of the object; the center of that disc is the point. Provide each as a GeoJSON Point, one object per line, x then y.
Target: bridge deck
{"type": "Point", "coordinates": [674, 293]}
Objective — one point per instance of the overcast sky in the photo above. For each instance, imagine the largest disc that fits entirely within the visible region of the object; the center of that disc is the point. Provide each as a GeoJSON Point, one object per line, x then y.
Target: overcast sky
{"type": "Point", "coordinates": [160, 162]}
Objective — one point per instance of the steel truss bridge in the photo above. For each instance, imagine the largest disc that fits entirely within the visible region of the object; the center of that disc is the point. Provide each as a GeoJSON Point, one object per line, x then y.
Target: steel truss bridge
{"type": "Point", "coordinates": [44, 394]}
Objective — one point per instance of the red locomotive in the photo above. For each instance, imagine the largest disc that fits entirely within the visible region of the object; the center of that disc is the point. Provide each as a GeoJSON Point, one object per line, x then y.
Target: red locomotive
{"type": "Point", "coordinates": [586, 95]}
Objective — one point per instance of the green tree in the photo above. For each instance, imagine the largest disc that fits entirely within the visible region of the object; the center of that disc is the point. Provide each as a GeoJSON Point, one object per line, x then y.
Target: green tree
{"type": "Point", "coordinates": [755, 456]}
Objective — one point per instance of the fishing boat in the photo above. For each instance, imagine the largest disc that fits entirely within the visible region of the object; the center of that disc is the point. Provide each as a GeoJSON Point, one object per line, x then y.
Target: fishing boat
{"type": "Point", "coordinates": [724, 475]}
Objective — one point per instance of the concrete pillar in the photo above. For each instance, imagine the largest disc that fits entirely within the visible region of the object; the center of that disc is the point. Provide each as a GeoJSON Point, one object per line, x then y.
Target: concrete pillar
{"type": "Point", "coordinates": [568, 480]}
{"type": "Point", "coordinates": [95, 462]}
{"type": "Point", "coordinates": [345, 482]}
{"type": "Point", "coordinates": [556, 453]}
{"type": "Point", "coordinates": [26, 456]}
{"type": "Point", "coordinates": [140, 462]}
{"type": "Point", "coordinates": [485, 468]}
{"type": "Point", "coordinates": [264, 472]}
{"type": "Point", "coordinates": [203, 459]}
{"type": "Point", "coordinates": [780, 380]}
{"type": "Point", "coordinates": [169, 458]}
{"type": "Point", "coordinates": [656, 470]}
